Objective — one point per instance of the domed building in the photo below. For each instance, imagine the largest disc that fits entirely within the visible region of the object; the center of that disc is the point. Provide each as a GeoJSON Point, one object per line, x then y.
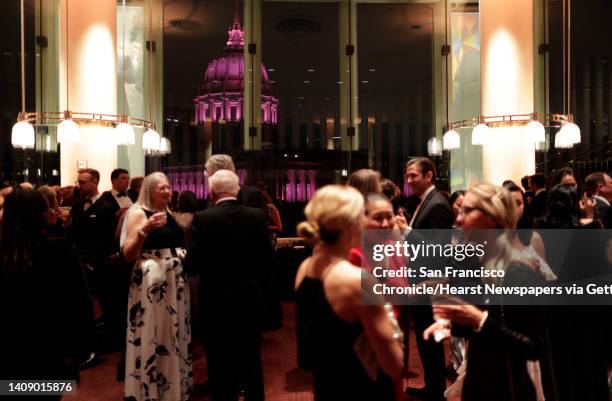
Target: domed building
{"type": "Point", "coordinates": [221, 93]}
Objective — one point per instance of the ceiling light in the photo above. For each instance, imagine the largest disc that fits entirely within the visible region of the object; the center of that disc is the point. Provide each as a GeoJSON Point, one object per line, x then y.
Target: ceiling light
{"type": "Point", "coordinates": [571, 131]}
{"type": "Point", "coordinates": [535, 131]}
{"type": "Point", "coordinates": [22, 135]}
{"type": "Point", "coordinates": [150, 141]}
{"type": "Point", "coordinates": [434, 146]}
{"type": "Point", "coordinates": [480, 134]}
{"type": "Point", "coordinates": [451, 140]}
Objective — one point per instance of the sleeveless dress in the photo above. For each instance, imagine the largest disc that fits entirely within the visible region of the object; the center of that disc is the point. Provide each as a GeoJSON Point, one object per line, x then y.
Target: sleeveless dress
{"type": "Point", "coordinates": [158, 358]}
{"type": "Point", "coordinates": [326, 346]}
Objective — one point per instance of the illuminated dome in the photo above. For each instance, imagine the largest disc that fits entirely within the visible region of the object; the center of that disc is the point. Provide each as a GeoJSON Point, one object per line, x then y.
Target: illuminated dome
{"type": "Point", "coordinates": [221, 93]}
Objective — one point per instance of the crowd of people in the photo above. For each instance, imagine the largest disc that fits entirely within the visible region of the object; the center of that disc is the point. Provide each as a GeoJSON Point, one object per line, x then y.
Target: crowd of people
{"type": "Point", "coordinates": [84, 272]}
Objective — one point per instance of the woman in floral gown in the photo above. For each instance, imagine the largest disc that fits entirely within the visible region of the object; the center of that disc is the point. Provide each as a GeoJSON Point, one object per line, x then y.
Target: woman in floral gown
{"type": "Point", "coordinates": [158, 360]}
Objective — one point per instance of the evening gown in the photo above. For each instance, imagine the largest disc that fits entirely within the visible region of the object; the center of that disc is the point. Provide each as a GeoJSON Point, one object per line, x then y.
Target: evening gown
{"type": "Point", "coordinates": [158, 351]}
{"type": "Point", "coordinates": [326, 347]}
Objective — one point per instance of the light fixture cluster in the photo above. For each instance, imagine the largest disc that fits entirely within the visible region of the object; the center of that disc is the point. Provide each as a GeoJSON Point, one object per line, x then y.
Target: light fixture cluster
{"type": "Point", "coordinates": [23, 135]}
{"type": "Point", "coordinates": [534, 123]}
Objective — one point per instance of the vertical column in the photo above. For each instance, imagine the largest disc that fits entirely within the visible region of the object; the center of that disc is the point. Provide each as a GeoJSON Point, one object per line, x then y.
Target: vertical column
{"type": "Point", "coordinates": [439, 66]}
{"type": "Point", "coordinates": [132, 24]}
{"type": "Point", "coordinates": [349, 105]}
{"type": "Point", "coordinates": [599, 101]}
{"type": "Point", "coordinates": [92, 83]}
{"type": "Point", "coordinates": [252, 76]}
{"type": "Point", "coordinates": [507, 73]}
{"type": "Point", "coordinates": [47, 66]}
{"type": "Point", "coordinates": [585, 104]}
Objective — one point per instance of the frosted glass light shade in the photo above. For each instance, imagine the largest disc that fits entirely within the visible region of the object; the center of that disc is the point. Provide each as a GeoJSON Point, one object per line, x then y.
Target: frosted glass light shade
{"type": "Point", "coordinates": [22, 135]}
{"type": "Point", "coordinates": [480, 134]}
{"type": "Point", "coordinates": [125, 134]}
{"type": "Point", "coordinates": [571, 132]}
{"type": "Point", "coordinates": [562, 141]}
{"type": "Point", "coordinates": [68, 131]}
{"type": "Point", "coordinates": [451, 140]}
{"type": "Point", "coordinates": [150, 141]}
{"type": "Point", "coordinates": [535, 132]}
{"type": "Point", "coordinates": [164, 146]}
{"type": "Point", "coordinates": [434, 146]}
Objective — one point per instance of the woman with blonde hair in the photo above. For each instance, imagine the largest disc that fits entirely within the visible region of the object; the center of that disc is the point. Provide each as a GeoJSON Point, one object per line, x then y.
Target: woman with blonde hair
{"type": "Point", "coordinates": [332, 322]}
{"type": "Point", "coordinates": [505, 341]}
{"type": "Point", "coordinates": [158, 362]}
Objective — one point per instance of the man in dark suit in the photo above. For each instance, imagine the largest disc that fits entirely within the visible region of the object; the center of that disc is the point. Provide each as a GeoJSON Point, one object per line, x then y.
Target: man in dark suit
{"type": "Point", "coordinates": [230, 249]}
{"type": "Point", "coordinates": [432, 212]}
{"type": "Point", "coordinates": [537, 184]}
{"type": "Point", "coordinates": [599, 186]}
{"type": "Point", "coordinates": [116, 273]}
{"type": "Point", "coordinates": [91, 231]}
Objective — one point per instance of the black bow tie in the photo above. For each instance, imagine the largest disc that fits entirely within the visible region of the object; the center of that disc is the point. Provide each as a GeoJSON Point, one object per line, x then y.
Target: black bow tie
{"type": "Point", "coordinates": [121, 194]}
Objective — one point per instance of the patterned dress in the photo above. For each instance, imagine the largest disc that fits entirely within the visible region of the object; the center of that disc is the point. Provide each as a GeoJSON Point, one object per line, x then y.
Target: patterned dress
{"type": "Point", "coordinates": [158, 352]}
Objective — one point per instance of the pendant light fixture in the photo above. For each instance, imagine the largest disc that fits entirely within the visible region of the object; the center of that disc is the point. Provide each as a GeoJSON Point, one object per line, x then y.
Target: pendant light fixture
{"type": "Point", "coordinates": [152, 140]}
{"type": "Point", "coordinates": [67, 129]}
{"type": "Point", "coordinates": [535, 131]}
{"type": "Point", "coordinates": [480, 133]}
{"type": "Point", "coordinates": [124, 132]}
{"type": "Point", "coordinates": [434, 146]}
{"type": "Point", "coordinates": [569, 134]}
{"type": "Point", "coordinates": [22, 134]}
{"type": "Point", "coordinates": [451, 139]}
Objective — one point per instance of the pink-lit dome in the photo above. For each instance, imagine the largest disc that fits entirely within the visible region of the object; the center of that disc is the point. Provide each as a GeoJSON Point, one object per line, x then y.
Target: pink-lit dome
{"type": "Point", "coordinates": [221, 92]}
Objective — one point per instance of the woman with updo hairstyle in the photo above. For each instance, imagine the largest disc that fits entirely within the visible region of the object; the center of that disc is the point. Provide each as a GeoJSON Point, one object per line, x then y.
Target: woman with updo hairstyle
{"type": "Point", "coordinates": [506, 342]}
{"type": "Point", "coordinates": [366, 181]}
{"type": "Point", "coordinates": [331, 320]}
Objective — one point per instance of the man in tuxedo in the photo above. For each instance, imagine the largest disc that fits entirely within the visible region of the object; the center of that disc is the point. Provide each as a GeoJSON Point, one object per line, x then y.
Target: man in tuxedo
{"type": "Point", "coordinates": [91, 231]}
{"type": "Point", "coordinates": [115, 275]}
{"type": "Point", "coordinates": [248, 195]}
{"type": "Point", "coordinates": [432, 212]}
{"type": "Point", "coordinates": [537, 184]}
{"type": "Point", "coordinates": [117, 196]}
{"type": "Point", "coordinates": [599, 186]}
{"type": "Point", "coordinates": [230, 249]}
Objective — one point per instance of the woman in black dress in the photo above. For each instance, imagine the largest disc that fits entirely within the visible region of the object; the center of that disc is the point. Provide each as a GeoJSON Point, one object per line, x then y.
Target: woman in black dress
{"type": "Point", "coordinates": [158, 359]}
{"type": "Point", "coordinates": [44, 302]}
{"type": "Point", "coordinates": [336, 333]}
{"type": "Point", "coordinates": [503, 338]}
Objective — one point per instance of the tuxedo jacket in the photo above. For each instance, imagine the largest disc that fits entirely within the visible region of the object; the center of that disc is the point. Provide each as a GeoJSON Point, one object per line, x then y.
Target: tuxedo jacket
{"type": "Point", "coordinates": [114, 207]}
{"type": "Point", "coordinates": [230, 248]}
{"type": "Point", "coordinates": [110, 199]}
{"type": "Point", "coordinates": [92, 231]}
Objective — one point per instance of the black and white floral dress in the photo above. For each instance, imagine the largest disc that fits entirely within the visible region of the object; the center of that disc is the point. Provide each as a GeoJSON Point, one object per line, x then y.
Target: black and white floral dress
{"type": "Point", "coordinates": [158, 352]}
